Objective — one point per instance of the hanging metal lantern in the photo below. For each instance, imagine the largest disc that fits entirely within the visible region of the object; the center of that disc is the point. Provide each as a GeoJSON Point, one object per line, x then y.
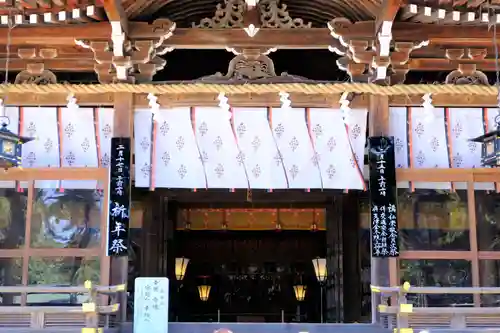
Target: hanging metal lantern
{"type": "Point", "coordinates": [490, 152]}
{"type": "Point", "coordinates": [10, 146]}
{"type": "Point", "coordinates": [300, 292]}
{"type": "Point", "coordinates": [180, 268]}
{"type": "Point", "coordinates": [204, 291]}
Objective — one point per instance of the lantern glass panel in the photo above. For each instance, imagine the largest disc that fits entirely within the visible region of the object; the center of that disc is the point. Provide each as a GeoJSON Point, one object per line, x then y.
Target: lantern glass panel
{"type": "Point", "coordinates": [204, 291]}
{"type": "Point", "coordinates": [490, 147]}
{"type": "Point", "coordinates": [8, 147]}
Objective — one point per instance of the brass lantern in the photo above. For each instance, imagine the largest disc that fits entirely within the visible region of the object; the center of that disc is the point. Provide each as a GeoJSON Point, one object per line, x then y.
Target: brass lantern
{"type": "Point", "coordinates": [300, 292]}
{"type": "Point", "coordinates": [490, 152]}
{"type": "Point", "coordinates": [10, 146]}
{"type": "Point", "coordinates": [204, 291]}
{"type": "Point", "coordinates": [320, 269]}
{"type": "Point", "coordinates": [180, 268]}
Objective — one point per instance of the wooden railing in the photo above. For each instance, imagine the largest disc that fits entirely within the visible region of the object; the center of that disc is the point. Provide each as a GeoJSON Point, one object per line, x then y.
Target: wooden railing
{"type": "Point", "coordinates": [95, 313]}
{"type": "Point", "coordinates": [396, 312]}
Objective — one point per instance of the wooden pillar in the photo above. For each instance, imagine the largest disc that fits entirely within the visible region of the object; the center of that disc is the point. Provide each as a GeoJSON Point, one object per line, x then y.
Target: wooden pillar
{"type": "Point", "coordinates": [383, 270]}
{"type": "Point", "coordinates": [334, 289]}
{"type": "Point", "coordinates": [122, 127]}
{"type": "Point", "coordinates": [151, 237]}
{"type": "Point", "coordinates": [351, 263]}
{"type": "Point", "coordinates": [157, 233]}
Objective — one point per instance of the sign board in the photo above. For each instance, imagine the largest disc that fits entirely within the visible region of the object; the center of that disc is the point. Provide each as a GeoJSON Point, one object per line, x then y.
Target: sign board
{"type": "Point", "coordinates": [119, 198]}
{"type": "Point", "coordinates": [383, 197]}
{"type": "Point", "coordinates": [151, 305]}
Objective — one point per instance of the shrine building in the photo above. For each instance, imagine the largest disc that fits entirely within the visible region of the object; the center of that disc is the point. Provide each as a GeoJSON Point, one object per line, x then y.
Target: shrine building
{"type": "Point", "coordinates": [238, 165]}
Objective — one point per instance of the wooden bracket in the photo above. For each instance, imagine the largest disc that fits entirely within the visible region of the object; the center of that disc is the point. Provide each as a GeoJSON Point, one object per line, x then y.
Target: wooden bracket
{"type": "Point", "coordinates": [466, 60]}
{"type": "Point", "coordinates": [136, 61]}
{"type": "Point", "coordinates": [35, 72]}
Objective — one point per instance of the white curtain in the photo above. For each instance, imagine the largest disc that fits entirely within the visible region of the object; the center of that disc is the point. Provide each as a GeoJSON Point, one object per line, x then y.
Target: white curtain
{"type": "Point", "coordinates": [329, 135]}
{"type": "Point", "coordinates": [297, 152]}
{"type": "Point", "coordinates": [177, 158]}
{"type": "Point", "coordinates": [208, 147]}
{"type": "Point", "coordinates": [43, 152]}
{"type": "Point", "coordinates": [78, 143]}
{"type": "Point", "coordinates": [218, 149]}
{"type": "Point", "coordinates": [260, 154]}
{"type": "Point", "coordinates": [143, 129]}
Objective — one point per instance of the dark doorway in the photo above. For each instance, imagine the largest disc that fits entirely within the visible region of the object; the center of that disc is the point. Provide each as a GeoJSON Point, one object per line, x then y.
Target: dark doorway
{"type": "Point", "coordinates": [252, 275]}
{"type": "Point", "coordinates": [253, 254]}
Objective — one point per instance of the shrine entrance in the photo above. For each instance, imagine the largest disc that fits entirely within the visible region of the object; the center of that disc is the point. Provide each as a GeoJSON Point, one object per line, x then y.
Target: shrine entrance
{"type": "Point", "coordinates": [255, 262]}
{"type": "Point", "coordinates": [250, 276]}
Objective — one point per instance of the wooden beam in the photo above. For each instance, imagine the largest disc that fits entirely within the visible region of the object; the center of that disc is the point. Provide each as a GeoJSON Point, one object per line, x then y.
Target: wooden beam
{"type": "Point", "coordinates": [189, 38]}
{"type": "Point", "coordinates": [387, 13]}
{"type": "Point", "coordinates": [61, 52]}
{"type": "Point", "coordinates": [383, 33]}
{"type": "Point", "coordinates": [61, 65]}
{"type": "Point", "coordinates": [314, 38]}
{"type": "Point", "coordinates": [439, 64]}
{"type": "Point", "coordinates": [64, 35]}
{"type": "Point", "coordinates": [115, 13]}
{"type": "Point", "coordinates": [450, 35]}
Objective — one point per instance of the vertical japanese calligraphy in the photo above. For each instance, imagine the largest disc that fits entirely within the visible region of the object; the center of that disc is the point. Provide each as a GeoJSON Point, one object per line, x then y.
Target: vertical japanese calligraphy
{"type": "Point", "coordinates": [119, 198]}
{"type": "Point", "coordinates": [383, 197]}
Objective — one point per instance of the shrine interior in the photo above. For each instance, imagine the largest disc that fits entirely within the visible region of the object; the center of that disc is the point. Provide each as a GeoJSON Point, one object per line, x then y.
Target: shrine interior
{"type": "Point", "coordinates": [253, 255]}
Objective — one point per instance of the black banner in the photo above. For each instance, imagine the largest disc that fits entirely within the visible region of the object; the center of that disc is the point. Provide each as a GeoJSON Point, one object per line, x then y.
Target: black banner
{"type": "Point", "coordinates": [119, 198]}
{"type": "Point", "coordinates": [383, 197]}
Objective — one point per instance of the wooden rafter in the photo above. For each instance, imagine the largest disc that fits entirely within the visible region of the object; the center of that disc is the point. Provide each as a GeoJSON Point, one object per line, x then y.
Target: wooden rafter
{"type": "Point", "coordinates": [115, 12]}
{"type": "Point", "coordinates": [383, 32]}
{"type": "Point", "coordinates": [387, 13]}
{"type": "Point", "coordinates": [119, 31]}
{"type": "Point", "coordinates": [136, 8]}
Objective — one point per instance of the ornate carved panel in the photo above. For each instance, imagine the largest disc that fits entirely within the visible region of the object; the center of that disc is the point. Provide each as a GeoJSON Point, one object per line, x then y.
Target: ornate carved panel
{"type": "Point", "coordinates": [252, 65]}
{"type": "Point", "coordinates": [227, 15]}
{"type": "Point", "coordinates": [232, 14]}
{"type": "Point", "coordinates": [36, 74]}
{"type": "Point", "coordinates": [274, 15]}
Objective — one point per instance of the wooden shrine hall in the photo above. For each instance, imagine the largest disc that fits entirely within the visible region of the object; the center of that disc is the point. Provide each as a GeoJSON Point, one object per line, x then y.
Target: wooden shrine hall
{"type": "Point", "coordinates": [240, 165]}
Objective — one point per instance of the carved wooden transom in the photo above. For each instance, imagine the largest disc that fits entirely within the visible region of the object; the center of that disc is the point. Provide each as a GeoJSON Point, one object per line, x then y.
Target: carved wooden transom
{"type": "Point", "coordinates": [231, 15]}
{"type": "Point", "coordinates": [458, 77]}
{"type": "Point", "coordinates": [27, 77]}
